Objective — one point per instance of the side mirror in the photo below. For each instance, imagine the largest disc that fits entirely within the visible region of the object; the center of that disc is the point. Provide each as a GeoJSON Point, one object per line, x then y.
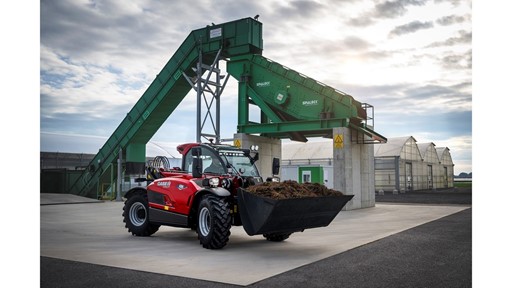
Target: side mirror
{"type": "Point", "coordinates": [197, 163]}
{"type": "Point", "coordinates": [276, 164]}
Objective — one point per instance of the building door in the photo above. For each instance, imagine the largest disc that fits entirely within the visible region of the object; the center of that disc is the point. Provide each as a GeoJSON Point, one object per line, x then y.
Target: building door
{"type": "Point", "coordinates": [306, 176]}
{"type": "Point", "coordinates": [408, 177]}
{"type": "Point", "coordinates": [311, 174]}
{"type": "Point", "coordinates": [429, 177]}
{"type": "Point", "coordinates": [445, 176]}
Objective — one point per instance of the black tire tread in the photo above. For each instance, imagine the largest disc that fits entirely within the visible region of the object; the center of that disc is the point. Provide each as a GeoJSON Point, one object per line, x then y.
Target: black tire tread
{"type": "Point", "coordinates": [147, 229]}
{"type": "Point", "coordinates": [221, 224]}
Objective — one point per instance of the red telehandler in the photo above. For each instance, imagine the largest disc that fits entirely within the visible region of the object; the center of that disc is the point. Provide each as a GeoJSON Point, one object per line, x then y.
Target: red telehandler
{"type": "Point", "coordinates": [208, 194]}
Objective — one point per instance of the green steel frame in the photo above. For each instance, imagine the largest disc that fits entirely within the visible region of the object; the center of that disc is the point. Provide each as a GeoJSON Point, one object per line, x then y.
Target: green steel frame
{"type": "Point", "coordinates": [164, 94]}
{"type": "Point", "coordinates": [292, 105]}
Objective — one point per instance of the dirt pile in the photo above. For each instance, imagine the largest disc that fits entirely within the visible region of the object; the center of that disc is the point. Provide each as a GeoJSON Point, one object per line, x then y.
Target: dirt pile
{"type": "Point", "coordinates": [291, 189]}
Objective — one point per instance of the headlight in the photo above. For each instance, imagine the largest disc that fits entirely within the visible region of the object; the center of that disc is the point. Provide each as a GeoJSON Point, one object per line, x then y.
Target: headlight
{"type": "Point", "coordinates": [214, 182]}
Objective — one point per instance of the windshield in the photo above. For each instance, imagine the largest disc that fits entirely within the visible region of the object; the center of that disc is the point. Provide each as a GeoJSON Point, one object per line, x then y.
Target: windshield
{"type": "Point", "coordinates": [240, 162]}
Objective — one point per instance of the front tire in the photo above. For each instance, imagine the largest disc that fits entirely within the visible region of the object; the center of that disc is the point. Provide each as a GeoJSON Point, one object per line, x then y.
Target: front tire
{"type": "Point", "coordinates": [135, 215]}
{"type": "Point", "coordinates": [213, 222]}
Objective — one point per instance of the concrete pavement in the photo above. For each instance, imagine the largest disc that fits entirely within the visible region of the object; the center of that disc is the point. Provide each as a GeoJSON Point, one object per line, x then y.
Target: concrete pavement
{"type": "Point", "coordinates": [94, 233]}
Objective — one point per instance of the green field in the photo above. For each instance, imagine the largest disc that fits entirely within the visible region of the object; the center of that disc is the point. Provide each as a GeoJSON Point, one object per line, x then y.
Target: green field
{"type": "Point", "coordinates": [462, 184]}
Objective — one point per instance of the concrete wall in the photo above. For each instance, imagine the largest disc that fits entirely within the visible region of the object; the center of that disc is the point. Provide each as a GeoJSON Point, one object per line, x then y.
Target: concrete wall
{"type": "Point", "coordinates": [328, 176]}
{"type": "Point", "coordinates": [269, 148]}
{"type": "Point", "coordinates": [289, 173]}
{"type": "Point", "coordinates": [353, 170]}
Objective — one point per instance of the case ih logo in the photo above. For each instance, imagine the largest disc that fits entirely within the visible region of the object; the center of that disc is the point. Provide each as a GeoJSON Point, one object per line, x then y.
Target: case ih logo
{"type": "Point", "coordinates": [164, 184]}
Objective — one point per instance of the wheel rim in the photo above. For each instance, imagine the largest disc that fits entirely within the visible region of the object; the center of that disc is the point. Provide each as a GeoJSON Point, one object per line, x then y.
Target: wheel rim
{"type": "Point", "coordinates": [137, 214]}
{"type": "Point", "coordinates": [204, 221]}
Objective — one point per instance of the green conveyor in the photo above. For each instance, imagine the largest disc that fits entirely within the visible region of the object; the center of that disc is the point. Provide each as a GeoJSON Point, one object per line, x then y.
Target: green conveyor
{"type": "Point", "coordinates": [292, 105]}
{"type": "Point", "coordinates": [164, 94]}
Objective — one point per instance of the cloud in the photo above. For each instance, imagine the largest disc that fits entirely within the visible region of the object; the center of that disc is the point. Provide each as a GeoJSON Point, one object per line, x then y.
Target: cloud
{"type": "Point", "coordinates": [410, 28]}
{"type": "Point", "coordinates": [393, 9]}
{"type": "Point", "coordinates": [384, 10]}
{"type": "Point", "coordinates": [232, 10]}
{"type": "Point", "coordinates": [355, 43]}
{"type": "Point", "coordinates": [454, 3]}
{"type": "Point", "coordinates": [432, 91]}
{"type": "Point", "coordinates": [465, 37]}
{"type": "Point", "coordinates": [458, 61]}
{"type": "Point", "coordinates": [300, 9]}
{"type": "Point", "coordinates": [360, 21]}
{"type": "Point", "coordinates": [110, 32]}
{"type": "Point", "coordinates": [453, 19]}
{"type": "Point", "coordinates": [411, 100]}
{"type": "Point", "coordinates": [73, 87]}
{"type": "Point", "coordinates": [438, 126]}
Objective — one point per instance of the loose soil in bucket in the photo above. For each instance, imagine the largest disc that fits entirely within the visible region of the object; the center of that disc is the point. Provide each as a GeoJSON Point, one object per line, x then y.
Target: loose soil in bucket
{"type": "Point", "coordinates": [291, 189]}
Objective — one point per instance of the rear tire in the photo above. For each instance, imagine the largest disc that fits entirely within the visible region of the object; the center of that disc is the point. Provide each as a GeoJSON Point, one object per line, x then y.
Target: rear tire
{"type": "Point", "coordinates": [277, 237]}
{"type": "Point", "coordinates": [213, 222]}
{"type": "Point", "coordinates": [135, 215]}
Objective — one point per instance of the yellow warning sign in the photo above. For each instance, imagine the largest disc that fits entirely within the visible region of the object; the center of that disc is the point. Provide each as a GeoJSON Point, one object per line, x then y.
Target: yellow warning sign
{"type": "Point", "coordinates": [338, 141]}
{"type": "Point", "coordinates": [238, 143]}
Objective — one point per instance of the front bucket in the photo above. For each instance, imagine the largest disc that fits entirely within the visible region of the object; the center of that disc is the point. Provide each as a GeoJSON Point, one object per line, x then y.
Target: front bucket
{"type": "Point", "coordinates": [265, 215]}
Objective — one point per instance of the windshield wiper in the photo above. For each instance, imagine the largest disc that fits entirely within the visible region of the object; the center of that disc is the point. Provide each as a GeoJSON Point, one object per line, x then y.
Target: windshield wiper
{"type": "Point", "coordinates": [229, 165]}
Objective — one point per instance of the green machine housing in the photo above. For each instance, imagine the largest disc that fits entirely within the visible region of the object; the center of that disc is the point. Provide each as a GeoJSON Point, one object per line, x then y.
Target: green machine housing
{"type": "Point", "coordinates": [293, 105]}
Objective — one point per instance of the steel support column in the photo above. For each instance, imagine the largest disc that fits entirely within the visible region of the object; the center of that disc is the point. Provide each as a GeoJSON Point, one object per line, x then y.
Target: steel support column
{"type": "Point", "coordinates": [208, 91]}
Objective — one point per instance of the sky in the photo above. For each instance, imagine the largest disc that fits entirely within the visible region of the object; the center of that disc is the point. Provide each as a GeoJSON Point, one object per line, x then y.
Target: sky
{"type": "Point", "coordinates": [410, 59]}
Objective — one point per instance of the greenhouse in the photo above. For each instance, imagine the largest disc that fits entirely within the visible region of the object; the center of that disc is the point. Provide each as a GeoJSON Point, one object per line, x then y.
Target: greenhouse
{"type": "Point", "coordinates": [430, 161]}
{"type": "Point", "coordinates": [401, 164]}
{"type": "Point", "coordinates": [444, 168]}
